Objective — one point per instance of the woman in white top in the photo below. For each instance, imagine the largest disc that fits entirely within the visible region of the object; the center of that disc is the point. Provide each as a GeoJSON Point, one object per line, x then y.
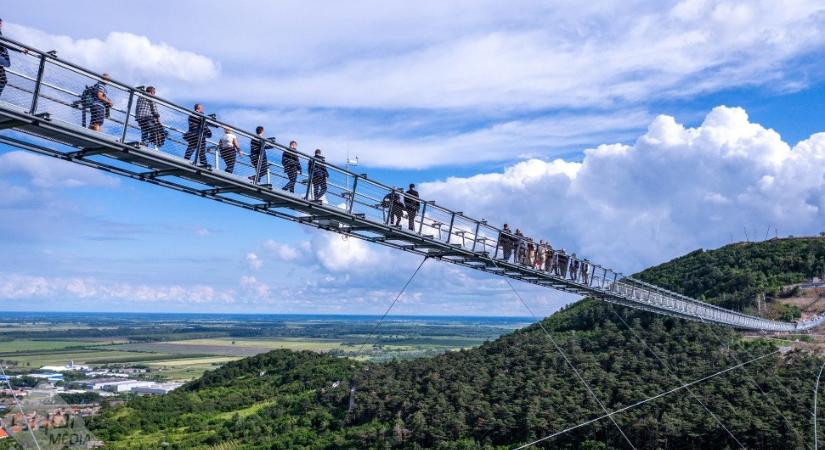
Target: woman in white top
{"type": "Point", "coordinates": [229, 149]}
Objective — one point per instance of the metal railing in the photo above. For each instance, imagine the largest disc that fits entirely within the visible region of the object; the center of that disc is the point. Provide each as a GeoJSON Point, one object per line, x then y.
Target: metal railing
{"type": "Point", "coordinates": [41, 83]}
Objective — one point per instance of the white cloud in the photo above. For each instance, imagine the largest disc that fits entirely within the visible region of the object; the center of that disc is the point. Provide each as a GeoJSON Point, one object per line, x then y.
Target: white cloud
{"type": "Point", "coordinates": [253, 262]}
{"type": "Point", "coordinates": [672, 191]}
{"type": "Point", "coordinates": [18, 286]}
{"type": "Point", "coordinates": [126, 56]}
{"type": "Point", "coordinates": [497, 59]}
{"type": "Point", "coordinates": [45, 172]}
{"type": "Point", "coordinates": [417, 145]}
{"type": "Point", "coordinates": [253, 287]}
{"type": "Point", "coordinates": [287, 252]}
{"type": "Point", "coordinates": [338, 254]}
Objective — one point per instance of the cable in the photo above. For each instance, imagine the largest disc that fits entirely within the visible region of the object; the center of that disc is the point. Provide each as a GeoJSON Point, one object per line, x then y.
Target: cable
{"type": "Point", "coordinates": [400, 293]}
{"type": "Point", "coordinates": [667, 367]}
{"type": "Point", "coordinates": [649, 399]}
{"type": "Point", "coordinates": [18, 404]}
{"type": "Point", "coordinates": [816, 391]}
{"type": "Point", "coordinates": [753, 381]}
{"type": "Point", "coordinates": [569, 363]}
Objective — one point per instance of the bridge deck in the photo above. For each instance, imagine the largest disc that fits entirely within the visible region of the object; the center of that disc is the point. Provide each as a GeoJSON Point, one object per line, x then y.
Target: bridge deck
{"type": "Point", "coordinates": [41, 102]}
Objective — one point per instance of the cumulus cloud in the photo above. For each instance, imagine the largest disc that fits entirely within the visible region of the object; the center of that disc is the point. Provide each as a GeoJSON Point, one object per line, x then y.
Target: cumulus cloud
{"type": "Point", "coordinates": [675, 189]}
{"type": "Point", "coordinates": [126, 56]}
{"type": "Point", "coordinates": [45, 172]}
{"type": "Point", "coordinates": [287, 252]}
{"type": "Point", "coordinates": [20, 286]}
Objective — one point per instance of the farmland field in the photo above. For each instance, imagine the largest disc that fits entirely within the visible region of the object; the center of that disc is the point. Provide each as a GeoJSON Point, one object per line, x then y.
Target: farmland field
{"type": "Point", "coordinates": [183, 346]}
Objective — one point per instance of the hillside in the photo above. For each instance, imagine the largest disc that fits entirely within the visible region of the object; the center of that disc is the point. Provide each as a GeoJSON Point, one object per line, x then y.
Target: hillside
{"type": "Point", "coordinates": [517, 388]}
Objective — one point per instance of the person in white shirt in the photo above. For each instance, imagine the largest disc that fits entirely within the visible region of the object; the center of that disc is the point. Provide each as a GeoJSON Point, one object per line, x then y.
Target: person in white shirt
{"type": "Point", "coordinates": [229, 149]}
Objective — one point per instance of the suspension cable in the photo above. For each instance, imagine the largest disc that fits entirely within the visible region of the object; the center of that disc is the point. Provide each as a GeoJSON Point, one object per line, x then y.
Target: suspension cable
{"type": "Point", "coordinates": [762, 391]}
{"type": "Point", "coordinates": [384, 316]}
{"type": "Point", "coordinates": [569, 363]}
{"type": "Point", "coordinates": [649, 399]}
{"type": "Point", "coordinates": [816, 391]}
{"type": "Point", "coordinates": [675, 376]}
{"type": "Point", "coordinates": [18, 404]}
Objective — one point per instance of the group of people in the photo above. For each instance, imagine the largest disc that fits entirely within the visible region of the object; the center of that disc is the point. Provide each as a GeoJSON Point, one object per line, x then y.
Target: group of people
{"type": "Point", "coordinates": [517, 248]}
{"type": "Point", "coordinates": [514, 246]}
{"type": "Point", "coordinates": [398, 202]}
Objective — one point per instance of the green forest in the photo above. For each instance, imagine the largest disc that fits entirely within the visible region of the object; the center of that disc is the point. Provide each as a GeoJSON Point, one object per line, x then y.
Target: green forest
{"type": "Point", "coordinates": [518, 388]}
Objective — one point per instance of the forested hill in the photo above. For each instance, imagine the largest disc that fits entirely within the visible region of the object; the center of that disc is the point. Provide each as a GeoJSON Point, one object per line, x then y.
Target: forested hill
{"type": "Point", "coordinates": [518, 388]}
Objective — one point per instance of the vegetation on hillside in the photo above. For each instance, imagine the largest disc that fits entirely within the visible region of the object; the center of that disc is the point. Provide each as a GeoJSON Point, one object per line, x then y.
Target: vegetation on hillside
{"type": "Point", "coordinates": [518, 388]}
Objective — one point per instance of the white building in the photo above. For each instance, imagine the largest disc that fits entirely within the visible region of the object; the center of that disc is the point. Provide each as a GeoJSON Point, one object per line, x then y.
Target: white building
{"type": "Point", "coordinates": [157, 388]}
{"type": "Point", "coordinates": [69, 367]}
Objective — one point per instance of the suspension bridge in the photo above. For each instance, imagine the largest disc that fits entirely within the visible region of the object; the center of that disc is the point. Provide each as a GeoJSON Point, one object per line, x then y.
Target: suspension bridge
{"type": "Point", "coordinates": [39, 112]}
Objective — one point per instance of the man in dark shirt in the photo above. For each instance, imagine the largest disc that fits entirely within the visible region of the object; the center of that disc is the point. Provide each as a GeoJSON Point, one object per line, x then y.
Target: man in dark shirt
{"type": "Point", "coordinates": [148, 118]}
{"type": "Point", "coordinates": [292, 166]}
{"type": "Point", "coordinates": [5, 59]}
{"type": "Point", "coordinates": [100, 103]}
{"type": "Point", "coordinates": [257, 155]}
{"type": "Point", "coordinates": [411, 204]}
{"type": "Point", "coordinates": [196, 136]}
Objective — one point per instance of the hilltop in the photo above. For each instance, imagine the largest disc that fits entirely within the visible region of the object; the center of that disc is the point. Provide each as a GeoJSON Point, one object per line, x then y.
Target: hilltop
{"type": "Point", "coordinates": [517, 388]}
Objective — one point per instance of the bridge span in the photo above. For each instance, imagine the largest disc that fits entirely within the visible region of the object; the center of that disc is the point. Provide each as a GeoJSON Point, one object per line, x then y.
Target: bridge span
{"type": "Point", "coordinates": [41, 110]}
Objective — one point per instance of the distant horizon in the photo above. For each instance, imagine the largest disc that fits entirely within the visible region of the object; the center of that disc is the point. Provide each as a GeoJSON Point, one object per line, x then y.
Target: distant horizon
{"type": "Point", "coordinates": [18, 312]}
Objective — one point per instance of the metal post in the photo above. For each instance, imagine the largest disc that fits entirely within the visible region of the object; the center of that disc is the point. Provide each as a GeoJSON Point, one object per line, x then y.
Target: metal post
{"type": "Point", "coordinates": [202, 130]}
{"type": "Point", "coordinates": [128, 113]}
{"type": "Point", "coordinates": [37, 84]}
{"type": "Point", "coordinates": [423, 215]}
{"type": "Point", "coordinates": [450, 230]}
{"type": "Point", "coordinates": [475, 238]}
{"type": "Point", "coordinates": [259, 163]}
{"type": "Point", "coordinates": [312, 162]}
{"type": "Point", "coordinates": [388, 219]}
{"type": "Point", "coordinates": [352, 194]}
{"type": "Point", "coordinates": [498, 244]}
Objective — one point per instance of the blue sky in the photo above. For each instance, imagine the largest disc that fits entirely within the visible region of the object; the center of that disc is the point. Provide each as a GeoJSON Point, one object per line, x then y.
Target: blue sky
{"type": "Point", "coordinates": [631, 132]}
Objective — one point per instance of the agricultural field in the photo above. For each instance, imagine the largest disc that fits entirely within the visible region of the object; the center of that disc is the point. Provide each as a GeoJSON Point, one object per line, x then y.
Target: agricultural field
{"type": "Point", "coordinates": [182, 347]}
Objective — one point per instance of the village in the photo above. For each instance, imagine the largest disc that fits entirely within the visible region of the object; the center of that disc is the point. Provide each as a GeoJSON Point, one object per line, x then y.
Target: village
{"type": "Point", "coordinates": [54, 397]}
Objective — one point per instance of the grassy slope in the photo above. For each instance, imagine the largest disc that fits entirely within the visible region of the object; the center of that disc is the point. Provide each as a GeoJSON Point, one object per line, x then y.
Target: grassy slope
{"type": "Point", "coordinates": [518, 388]}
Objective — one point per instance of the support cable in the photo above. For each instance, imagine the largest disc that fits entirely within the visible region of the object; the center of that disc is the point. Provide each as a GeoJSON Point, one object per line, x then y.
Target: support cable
{"type": "Point", "coordinates": [755, 383]}
{"type": "Point", "coordinates": [816, 392]}
{"type": "Point", "coordinates": [675, 376]}
{"type": "Point", "coordinates": [389, 308]}
{"type": "Point", "coordinates": [569, 363]}
{"type": "Point", "coordinates": [649, 399]}
{"type": "Point", "coordinates": [18, 404]}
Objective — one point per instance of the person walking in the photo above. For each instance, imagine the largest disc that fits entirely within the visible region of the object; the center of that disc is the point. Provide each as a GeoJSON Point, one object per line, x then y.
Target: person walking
{"type": "Point", "coordinates": [318, 175]}
{"type": "Point", "coordinates": [257, 155]}
{"type": "Point", "coordinates": [100, 103]}
{"type": "Point", "coordinates": [229, 149]}
{"type": "Point", "coordinates": [292, 166]}
{"type": "Point", "coordinates": [196, 136]}
{"type": "Point", "coordinates": [412, 204]}
{"type": "Point", "coordinates": [148, 118]}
